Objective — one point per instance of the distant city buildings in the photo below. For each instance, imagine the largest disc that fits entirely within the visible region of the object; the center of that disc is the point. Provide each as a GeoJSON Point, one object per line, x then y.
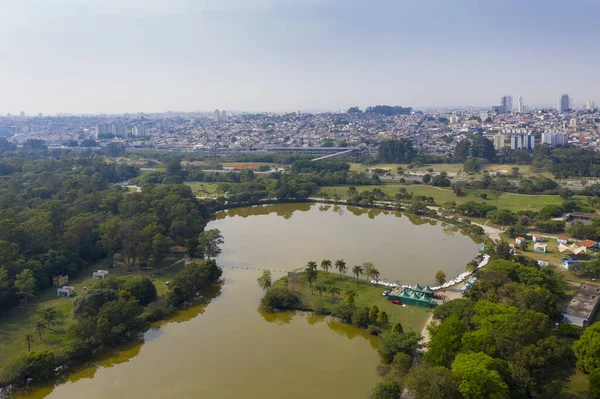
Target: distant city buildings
{"type": "Point", "coordinates": [223, 115]}
{"type": "Point", "coordinates": [139, 130]}
{"type": "Point", "coordinates": [590, 106]}
{"type": "Point", "coordinates": [553, 139]}
{"type": "Point", "coordinates": [506, 104]}
{"type": "Point", "coordinates": [499, 141]}
{"type": "Point", "coordinates": [453, 119]}
{"type": "Point", "coordinates": [520, 105]}
{"type": "Point", "coordinates": [573, 123]}
{"type": "Point", "coordinates": [118, 129]}
{"type": "Point", "coordinates": [217, 115]}
{"type": "Point", "coordinates": [564, 103]}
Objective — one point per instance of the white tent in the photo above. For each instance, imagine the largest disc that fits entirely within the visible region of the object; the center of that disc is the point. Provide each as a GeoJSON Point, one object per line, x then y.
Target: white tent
{"type": "Point", "coordinates": [573, 248]}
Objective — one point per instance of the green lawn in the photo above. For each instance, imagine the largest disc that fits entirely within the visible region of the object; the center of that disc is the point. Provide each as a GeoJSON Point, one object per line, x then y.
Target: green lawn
{"type": "Point", "coordinates": [18, 321]}
{"type": "Point", "coordinates": [203, 189]}
{"type": "Point", "coordinates": [412, 317]}
{"type": "Point", "coordinates": [525, 170]}
{"type": "Point", "coordinates": [511, 201]}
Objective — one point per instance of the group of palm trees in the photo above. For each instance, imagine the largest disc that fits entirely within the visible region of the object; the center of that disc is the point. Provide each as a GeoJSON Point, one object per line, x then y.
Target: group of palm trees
{"type": "Point", "coordinates": [367, 269]}
{"type": "Point", "coordinates": [45, 320]}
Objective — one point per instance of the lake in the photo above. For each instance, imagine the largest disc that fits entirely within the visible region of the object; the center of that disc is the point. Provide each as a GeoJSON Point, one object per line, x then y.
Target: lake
{"type": "Point", "coordinates": [228, 349]}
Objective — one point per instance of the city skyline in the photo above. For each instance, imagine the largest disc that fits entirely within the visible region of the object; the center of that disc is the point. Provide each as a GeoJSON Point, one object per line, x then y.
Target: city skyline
{"type": "Point", "coordinates": [129, 56]}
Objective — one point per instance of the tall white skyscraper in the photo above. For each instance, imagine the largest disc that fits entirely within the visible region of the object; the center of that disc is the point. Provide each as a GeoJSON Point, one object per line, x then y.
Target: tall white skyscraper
{"type": "Point", "coordinates": [217, 116]}
{"type": "Point", "coordinates": [506, 104]}
{"type": "Point", "coordinates": [590, 106]}
{"type": "Point", "coordinates": [520, 105]}
{"type": "Point", "coordinates": [119, 129]}
{"type": "Point", "coordinates": [223, 115]}
{"type": "Point", "coordinates": [564, 103]}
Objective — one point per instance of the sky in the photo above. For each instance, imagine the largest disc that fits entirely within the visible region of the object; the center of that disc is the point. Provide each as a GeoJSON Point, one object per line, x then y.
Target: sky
{"type": "Point", "coordinates": [118, 56]}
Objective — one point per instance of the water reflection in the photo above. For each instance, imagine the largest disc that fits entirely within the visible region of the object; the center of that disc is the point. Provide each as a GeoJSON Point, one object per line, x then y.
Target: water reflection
{"type": "Point", "coordinates": [278, 317]}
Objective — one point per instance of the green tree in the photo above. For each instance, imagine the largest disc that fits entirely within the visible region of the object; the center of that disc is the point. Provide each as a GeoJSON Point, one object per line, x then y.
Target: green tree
{"type": "Point", "coordinates": [40, 327]}
{"type": "Point", "coordinates": [360, 317]}
{"type": "Point", "coordinates": [334, 291]}
{"type": "Point", "coordinates": [393, 343]}
{"type": "Point", "coordinates": [427, 382]}
{"type": "Point", "coordinates": [445, 342]}
{"type": "Point", "coordinates": [349, 298]}
{"type": "Point", "coordinates": [397, 328]}
{"type": "Point", "coordinates": [161, 246]}
{"type": "Point", "coordinates": [209, 241]}
{"type": "Point", "coordinates": [142, 289]}
{"type": "Point", "coordinates": [110, 238]}
{"type": "Point", "coordinates": [375, 274]}
{"type": "Point", "coordinates": [340, 265]}
{"type": "Point", "coordinates": [480, 376]}
{"type": "Point", "coordinates": [386, 390]}
{"type": "Point", "coordinates": [326, 265]}
{"type": "Point", "coordinates": [594, 383]}
{"type": "Point", "coordinates": [543, 369]}
{"type": "Point", "coordinates": [28, 339]}
{"type": "Point", "coordinates": [264, 281]}
{"type": "Point", "coordinates": [587, 349]}
{"type": "Point", "coordinates": [373, 313]}
{"type": "Point", "coordinates": [49, 316]}
{"type": "Point", "coordinates": [320, 289]}
{"type": "Point", "coordinates": [311, 276]}
{"type": "Point", "coordinates": [25, 284]}
{"type": "Point", "coordinates": [357, 271]}
{"type": "Point", "coordinates": [4, 286]}
{"type": "Point", "coordinates": [367, 269]}
{"type": "Point", "coordinates": [311, 265]}
{"type": "Point", "coordinates": [440, 277]}
{"type": "Point", "coordinates": [382, 318]}
{"type": "Point", "coordinates": [426, 178]}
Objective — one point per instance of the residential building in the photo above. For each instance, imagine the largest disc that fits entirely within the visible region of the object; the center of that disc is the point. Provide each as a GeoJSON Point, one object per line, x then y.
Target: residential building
{"type": "Point", "coordinates": [564, 103]}
{"type": "Point", "coordinates": [453, 119]}
{"type": "Point", "coordinates": [499, 141]}
{"type": "Point", "coordinates": [223, 115]}
{"type": "Point", "coordinates": [139, 130]}
{"type": "Point", "coordinates": [529, 142]}
{"type": "Point", "coordinates": [553, 139]}
{"type": "Point", "coordinates": [103, 128]}
{"type": "Point", "coordinates": [516, 142]}
{"type": "Point", "coordinates": [119, 129]}
{"type": "Point", "coordinates": [573, 123]}
{"type": "Point", "coordinates": [217, 115]}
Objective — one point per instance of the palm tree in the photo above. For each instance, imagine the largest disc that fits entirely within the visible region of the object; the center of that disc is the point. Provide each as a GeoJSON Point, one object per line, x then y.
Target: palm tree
{"type": "Point", "coordinates": [334, 290]}
{"type": "Point", "coordinates": [375, 273]}
{"type": "Point", "coordinates": [49, 316]}
{"type": "Point", "coordinates": [28, 338]}
{"type": "Point", "coordinates": [311, 276]}
{"type": "Point", "coordinates": [311, 265]}
{"type": "Point", "coordinates": [40, 327]}
{"type": "Point", "coordinates": [367, 267]}
{"type": "Point", "coordinates": [320, 289]}
{"type": "Point", "coordinates": [341, 266]}
{"type": "Point", "coordinates": [357, 271]}
{"type": "Point", "coordinates": [326, 265]}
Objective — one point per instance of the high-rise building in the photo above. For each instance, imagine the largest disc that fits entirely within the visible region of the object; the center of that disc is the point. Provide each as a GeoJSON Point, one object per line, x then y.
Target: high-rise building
{"type": "Point", "coordinates": [506, 104]}
{"type": "Point", "coordinates": [453, 119]}
{"type": "Point", "coordinates": [119, 129]}
{"type": "Point", "coordinates": [499, 141]}
{"type": "Point", "coordinates": [573, 123]}
{"type": "Point", "coordinates": [590, 106]}
{"type": "Point", "coordinates": [516, 142]}
{"type": "Point", "coordinates": [217, 116]}
{"type": "Point", "coordinates": [223, 115]}
{"type": "Point", "coordinates": [520, 105]}
{"type": "Point", "coordinates": [139, 130]}
{"type": "Point", "coordinates": [529, 142]}
{"type": "Point", "coordinates": [22, 114]}
{"type": "Point", "coordinates": [103, 128]}
{"type": "Point", "coordinates": [564, 103]}
{"type": "Point", "coordinates": [553, 139]}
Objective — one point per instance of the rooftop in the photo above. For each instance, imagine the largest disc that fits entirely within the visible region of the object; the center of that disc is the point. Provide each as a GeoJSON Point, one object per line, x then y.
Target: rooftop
{"type": "Point", "coordinates": [584, 302]}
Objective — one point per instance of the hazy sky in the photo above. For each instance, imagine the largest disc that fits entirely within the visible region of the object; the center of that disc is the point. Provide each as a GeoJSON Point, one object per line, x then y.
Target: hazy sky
{"type": "Point", "coordinates": [113, 56]}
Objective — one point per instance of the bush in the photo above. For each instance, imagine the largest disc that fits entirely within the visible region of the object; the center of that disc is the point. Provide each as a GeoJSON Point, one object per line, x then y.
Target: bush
{"type": "Point", "coordinates": [142, 289]}
{"type": "Point", "coordinates": [569, 330]}
{"type": "Point", "coordinates": [386, 390]}
{"type": "Point", "coordinates": [594, 383]}
{"type": "Point", "coordinates": [38, 365]}
{"type": "Point", "coordinates": [155, 313]}
{"type": "Point", "coordinates": [374, 330]}
{"type": "Point", "coordinates": [279, 298]}
{"type": "Point", "coordinates": [401, 364]}
{"type": "Point", "coordinates": [361, 318]}
{"type": "Point", "coordinates": [393, 343]}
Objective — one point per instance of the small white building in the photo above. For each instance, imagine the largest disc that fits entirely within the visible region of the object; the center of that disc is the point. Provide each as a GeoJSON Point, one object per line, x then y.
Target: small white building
{"type": "Point", "coordinates": [100, 274]}
{"type": "Point", "coordinates": [66, 291]}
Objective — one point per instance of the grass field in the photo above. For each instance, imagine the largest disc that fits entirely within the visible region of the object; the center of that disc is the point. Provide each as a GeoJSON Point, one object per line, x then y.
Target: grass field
{"type": "Point", "coordinates": [412, 317]}
{"type": "Point", "coordinates": [513, 202]}
{"type": "Point", "coordinates": [248, 165]}
{"type": "Point", "coordinates": [525, 170]}
{"type": "Point", "coordinates": [18, 321]}
{"type": "Point", "coordinates": [203, 189]}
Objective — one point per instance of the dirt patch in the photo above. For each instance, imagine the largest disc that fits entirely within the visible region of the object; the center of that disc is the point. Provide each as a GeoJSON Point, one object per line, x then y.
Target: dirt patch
{"type": "Point", "coordinates": [245, 166]}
